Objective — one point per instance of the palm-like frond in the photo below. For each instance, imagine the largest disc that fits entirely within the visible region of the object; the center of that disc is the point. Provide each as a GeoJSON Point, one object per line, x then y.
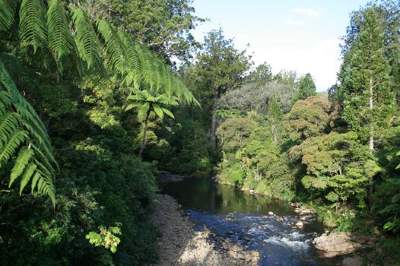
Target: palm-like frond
{"type": "Point", "coordinates": [60, 40]}
{"type": "Point", "coordinates": [138, 65]}
{"type": "Point", "coordinates": [24, 141]}
{"type": "Point", "coordinates": [32, 25]}
{"type": "Point", "coordinates": [145, 102]}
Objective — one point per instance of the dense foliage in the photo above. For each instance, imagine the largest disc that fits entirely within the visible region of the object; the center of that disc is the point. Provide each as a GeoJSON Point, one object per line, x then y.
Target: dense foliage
{"type": "Point", "coordinates": [93, 86]}
{"type": "Point", "coordinates": [278, 137]}
{"type": "Point", "coordinates": [92, 106]}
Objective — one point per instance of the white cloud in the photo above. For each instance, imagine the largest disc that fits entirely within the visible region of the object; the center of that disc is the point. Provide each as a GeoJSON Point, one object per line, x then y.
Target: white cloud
{"type": "Point", "coordinates": [303, 53]}
{"type": "Point", "coordinates": [306, 12]}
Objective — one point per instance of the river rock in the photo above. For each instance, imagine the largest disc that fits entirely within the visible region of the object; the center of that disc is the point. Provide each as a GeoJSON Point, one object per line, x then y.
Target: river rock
{"type": "Point", "coordinates": [179, 244]}
{"type": "Point", "coordinates": [302, 211]}
{"type": "Point", "coordinates": [340, 243]}
{"type": "Point", "coordinates": [300, 224]}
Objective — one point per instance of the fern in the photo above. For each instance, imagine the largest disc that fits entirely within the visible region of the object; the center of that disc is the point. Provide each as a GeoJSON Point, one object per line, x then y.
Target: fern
{"type": "Point", "coordinates": [11, 146]}
{"type": "Point", "coordinates": [8, 124]}
{"type": "Point", "coordinates": [114, 48]}
{"type": "Point", "coordinates": [21, 163]}
{"type": "Point", "coordinates": [86, 39]}
{"type": "Point", "coordinates": [24, 141]}
{"type": "Point", "coordinates": [60, 40]}
{"type": "Point", "coordinates": [7, 13]}
{"type": "Point", "coordinates": [32, 25]}
{"type": "Point", "coordinates": [134, 76]}
{"type": "Point", "coordinates": [27, 176]}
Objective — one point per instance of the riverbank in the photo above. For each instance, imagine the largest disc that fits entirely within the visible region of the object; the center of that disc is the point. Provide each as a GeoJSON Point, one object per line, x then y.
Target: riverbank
{"type": "Point", "coordinates": [180, 244]}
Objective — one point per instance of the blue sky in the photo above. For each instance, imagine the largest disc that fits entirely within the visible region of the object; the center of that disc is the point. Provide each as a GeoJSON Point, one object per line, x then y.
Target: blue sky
{"type": "Point", "coordinates": [294, 35]}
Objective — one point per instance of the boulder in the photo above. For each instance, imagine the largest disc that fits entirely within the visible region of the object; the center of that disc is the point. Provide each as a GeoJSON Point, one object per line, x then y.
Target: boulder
{"type": "Point", "coordinates": [300, 224]}
{"type": "Point", "coordinates": [340, 243]}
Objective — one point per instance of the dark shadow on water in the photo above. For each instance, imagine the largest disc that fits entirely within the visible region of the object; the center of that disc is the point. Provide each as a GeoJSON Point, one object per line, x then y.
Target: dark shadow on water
{"type": "Point", "coordinates": [203, 194]}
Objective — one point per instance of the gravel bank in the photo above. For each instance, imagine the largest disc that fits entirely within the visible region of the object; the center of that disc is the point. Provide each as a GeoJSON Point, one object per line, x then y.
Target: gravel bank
{"type": "Point", "coordinates": [179, 244]}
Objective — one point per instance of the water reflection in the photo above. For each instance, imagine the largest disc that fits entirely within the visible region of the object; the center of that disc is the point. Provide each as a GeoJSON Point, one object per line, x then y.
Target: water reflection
{"type": "Point", "coordinates": [205, 195]}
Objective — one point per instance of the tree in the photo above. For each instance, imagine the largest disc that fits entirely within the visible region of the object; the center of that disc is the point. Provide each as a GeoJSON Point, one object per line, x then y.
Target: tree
{"type": "Point", "coordinates": [286, 77]}
{"type": "Point", "coordinates": [308, 118]}
{"type": "Point", "coordinates": [219, 68]}
{"type": "Point", "coordinates": [306, 87]}
{"type": "Point", "coordinates": [164, 25]}
{"type": "Point", "coordinates": [251, 97]}
{"type": "Point", "coordinates": [147, 105]}
{"type": "Point", "coordinates": [367, 97]}
{"type": "Point", "coordinates": [337, 167]}
{"type": "Point", "coordinates": [391, 10]}
{"type": "Point", "coordinates": [261, 75]}
{"type": "Point", "coordinates": [275, 117]}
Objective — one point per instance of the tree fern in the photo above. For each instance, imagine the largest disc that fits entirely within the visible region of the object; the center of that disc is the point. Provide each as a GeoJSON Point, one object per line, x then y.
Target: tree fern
{"type": "Point", "coordinates": [32, 24]}
{"type": "Point", "coordinates": [24, 141]}
{"type": "Point", "coordinates": [60, 40]}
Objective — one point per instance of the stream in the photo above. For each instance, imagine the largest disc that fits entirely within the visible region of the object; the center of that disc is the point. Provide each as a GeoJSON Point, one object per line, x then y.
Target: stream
{"type": "Point", "coordinates": [254, 222]}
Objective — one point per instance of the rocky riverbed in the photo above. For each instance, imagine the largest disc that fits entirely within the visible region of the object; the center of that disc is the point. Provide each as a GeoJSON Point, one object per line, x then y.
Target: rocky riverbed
{"type": "Point", "coordinates": [180, 244]}
{"type": "Point", "coordinates": [219, 225]}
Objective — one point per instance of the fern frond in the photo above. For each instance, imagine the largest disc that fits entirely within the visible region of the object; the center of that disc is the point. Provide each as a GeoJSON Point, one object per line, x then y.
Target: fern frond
{"type": "Point", "coordinates": [113, 47]}
{"type": "Point", "coordinates": [86, 39]}
{"type": "Point", "coordinates": [11, 146]}
{"type": "Point", "coordinates": [61, 43]}
{"type": "Point", "coordinates": [23, 133]}
{"type": "Point", "coordinates": [134, 76]}
{"type": "Point", "coordinates": [7, 12]}
{"type": "Point", "coordinates": [32, 25]}
{"type": "Point", "coordinates": [43, 184]}
{"type": "Point", "coordinates": [21, 162]}
{"type": "Point", "coordinates": [27, 176]}
{"type": "Point", "coordinates": [46, 160]}
{"type": "Point", "coordinates": [5, 102]}
{"type": "Point", "coordinates": [8, 125]}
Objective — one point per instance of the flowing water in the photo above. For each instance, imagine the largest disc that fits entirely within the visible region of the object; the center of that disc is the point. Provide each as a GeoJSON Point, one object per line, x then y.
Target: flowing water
{"type": "Point", "coordinates": [254, 222]}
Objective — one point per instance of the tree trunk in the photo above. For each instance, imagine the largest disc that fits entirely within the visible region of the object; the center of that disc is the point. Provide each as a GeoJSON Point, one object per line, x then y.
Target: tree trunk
{"type": "Point", "coordinates": [371, 139]}
{"type": "Point", "coordinates": [213, 129]}
{"type": "Point", "coordinates": [144, 140]}
{"type": "Point", "coordinates": [371, 107]}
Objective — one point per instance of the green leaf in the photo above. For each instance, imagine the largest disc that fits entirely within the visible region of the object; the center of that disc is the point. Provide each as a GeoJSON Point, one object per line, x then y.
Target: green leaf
{"type": "Point", "coordinates": [20, 164]}
{"type": "Point", "coordinates": [27, 176]}
{"type": "Point", "coordinates": [159, 111]}
{"type": "Point", "coordinates": [168, 112]}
